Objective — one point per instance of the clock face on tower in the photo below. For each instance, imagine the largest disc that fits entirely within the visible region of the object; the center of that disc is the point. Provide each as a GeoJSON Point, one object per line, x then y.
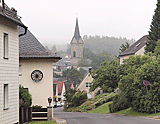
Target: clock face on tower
{"type": "Point", "coordinates": [36, 75]}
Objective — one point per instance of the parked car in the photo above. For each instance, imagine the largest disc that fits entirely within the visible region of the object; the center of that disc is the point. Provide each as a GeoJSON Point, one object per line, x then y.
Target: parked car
{"type": "Point", "coordinates": [59, 104]}
{"type": "Point", "coordinates": [62, 103]}
{"type": "Point", "coordinates": [54, 104]}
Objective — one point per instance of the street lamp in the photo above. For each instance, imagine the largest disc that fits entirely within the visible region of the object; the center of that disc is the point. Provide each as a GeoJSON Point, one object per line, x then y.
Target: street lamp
{"type": "Point", "coordinates": [49, 101]}
{"type": "Point", "coordinates": [90, 68]}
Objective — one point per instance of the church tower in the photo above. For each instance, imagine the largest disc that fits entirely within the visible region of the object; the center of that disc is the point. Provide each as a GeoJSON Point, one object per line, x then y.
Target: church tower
{"type": "Point", "coordinates": [76, 46]}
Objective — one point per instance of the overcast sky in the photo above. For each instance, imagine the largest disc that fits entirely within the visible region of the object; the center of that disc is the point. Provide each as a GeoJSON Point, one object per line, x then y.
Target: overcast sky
{"type": "Point", "coordinates": [53, 21]}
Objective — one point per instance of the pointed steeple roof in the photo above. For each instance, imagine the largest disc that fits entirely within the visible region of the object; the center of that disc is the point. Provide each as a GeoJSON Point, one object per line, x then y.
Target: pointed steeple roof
{"type": "Point", "coordinates": [76, 33]}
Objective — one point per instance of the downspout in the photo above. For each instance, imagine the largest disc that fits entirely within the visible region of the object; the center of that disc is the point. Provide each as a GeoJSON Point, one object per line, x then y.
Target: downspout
{"type": "Point", "coordinates": [3, 4]}
{"type": "Point", "coordinates": [24, 32]}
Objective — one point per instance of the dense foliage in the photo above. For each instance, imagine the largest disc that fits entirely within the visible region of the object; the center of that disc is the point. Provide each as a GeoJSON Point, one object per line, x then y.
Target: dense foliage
{"type": "Point", "coordinates": [106, 76]}
{"type": "Point", "coordinates": [69, 94]}
{"type": "Point", "coordinates": [119, 103]}
{"type": "Point", "coordinates": [25, 97]}
{"type": "Point", "coordinates": [74, 76]}
{"type": "Point", "coordinates": [154, 34]}
{"type": "Point", "coordinates": [98, 44]}
{"type": "Point", "coordinates": [74, 97]}
{"type": "Point", "coordinates": [123, 47]}
{"type": "Point", "coordinates": [79, 98]}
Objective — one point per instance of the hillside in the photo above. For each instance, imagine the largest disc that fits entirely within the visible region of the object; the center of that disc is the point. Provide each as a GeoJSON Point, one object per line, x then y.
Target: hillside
{"type": "Point", "coordinates": [110, 44]}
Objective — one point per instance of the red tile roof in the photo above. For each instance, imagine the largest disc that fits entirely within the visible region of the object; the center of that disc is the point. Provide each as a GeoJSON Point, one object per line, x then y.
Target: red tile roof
{"type": "Point", "coordinates": [60, 86]}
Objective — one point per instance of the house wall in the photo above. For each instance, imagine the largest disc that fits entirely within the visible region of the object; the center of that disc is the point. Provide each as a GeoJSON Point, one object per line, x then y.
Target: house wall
{"type": "Point", "coordinates": [40, 91]}
{"type": "Point", "coordinates": [63, 91]}
{"type": "Point", "coordinates": [139, 52]}
{"type": "Point", "coordinates": [9, 73]}
{"type": "Point", "coordinates": [82, 86]}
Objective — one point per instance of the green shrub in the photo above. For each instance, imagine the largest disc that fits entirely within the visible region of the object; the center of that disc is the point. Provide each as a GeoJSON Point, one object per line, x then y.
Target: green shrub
{"type": "Point", "coordinates": [119, 103]}
{"type": "Point", "coordinates": [79, 98]}
{"type": "Point", "coordinates": [25, 97]}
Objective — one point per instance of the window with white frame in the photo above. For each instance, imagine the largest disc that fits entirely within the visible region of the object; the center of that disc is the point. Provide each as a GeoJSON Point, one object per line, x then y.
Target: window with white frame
{"type": "Point", "coordinates": [5, 46]}
{"type": "Point", "coordinates": [88, 84]}
{"type": "Point", "coordinates": [5, 96]}
{"type": "Point", "coordinates": [20, 69]}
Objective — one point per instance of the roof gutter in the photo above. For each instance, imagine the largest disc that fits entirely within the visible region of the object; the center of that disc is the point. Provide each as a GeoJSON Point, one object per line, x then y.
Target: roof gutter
{"type": "Point", "coordinates": [24, 31]}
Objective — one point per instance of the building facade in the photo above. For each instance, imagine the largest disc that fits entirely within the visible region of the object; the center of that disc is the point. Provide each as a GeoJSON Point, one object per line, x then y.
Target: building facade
{"type": "Point", "coordinates": [138, 48]}
{"type": "Point", "coordinates": [36, 69]}
{"type": "Point", "coordinates": [76, 46]}
{"type": "Point", "coordinates": [9, 62]}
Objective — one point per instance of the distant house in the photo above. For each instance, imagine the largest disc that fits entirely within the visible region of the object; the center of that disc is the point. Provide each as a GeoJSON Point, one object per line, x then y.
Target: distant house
{"type": "Point", "coordinates": [85, 86]}
{"type": "Point", "coordinates": [36, 68]}
{"type": "Point", "coordinates": [136, 49]}
{"type": "Point", "coordinates": [59, 90]}
{"type": "Point", "coordinates": [9, 61]}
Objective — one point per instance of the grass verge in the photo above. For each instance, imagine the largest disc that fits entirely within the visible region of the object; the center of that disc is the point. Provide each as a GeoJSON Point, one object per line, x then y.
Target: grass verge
{"type": "Point", "coordinates": [103, 109]}
{"type": "Point", "coordinates": [132, 112]}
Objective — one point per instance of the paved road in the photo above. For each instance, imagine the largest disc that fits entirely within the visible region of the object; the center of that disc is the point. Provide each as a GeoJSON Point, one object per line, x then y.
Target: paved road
{"type": "Point", "coordinates": [91, 118]}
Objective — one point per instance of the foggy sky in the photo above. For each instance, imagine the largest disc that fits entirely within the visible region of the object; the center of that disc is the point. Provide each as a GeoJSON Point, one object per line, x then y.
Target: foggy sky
{"type": "Point", "coordinates": [53, 21]}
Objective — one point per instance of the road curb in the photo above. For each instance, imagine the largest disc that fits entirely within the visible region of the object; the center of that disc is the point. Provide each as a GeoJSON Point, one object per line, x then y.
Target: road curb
{"type": "Point", "coordinates": [60, 121]}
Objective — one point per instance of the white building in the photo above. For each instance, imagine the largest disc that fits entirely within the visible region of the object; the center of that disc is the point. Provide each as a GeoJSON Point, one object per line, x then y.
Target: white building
{"type": "Point", "coordinates": [36, 68]}
{"type": "Point", "coordinates": [9, 64]}
{"type": "Point", "coordinates": [136, 49]}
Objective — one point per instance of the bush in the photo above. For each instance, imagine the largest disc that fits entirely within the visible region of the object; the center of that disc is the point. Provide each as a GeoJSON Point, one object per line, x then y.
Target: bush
{"type": "Point", "coordinates": [119, 103]}
{"type": "Point", "coordinates": [79, 98]}
{"type": "Point", "coordinates": [25, 97]}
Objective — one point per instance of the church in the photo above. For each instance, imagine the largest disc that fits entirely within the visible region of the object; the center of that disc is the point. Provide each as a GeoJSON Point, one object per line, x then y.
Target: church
{"type": "Point", "coordinates": [76, 46]}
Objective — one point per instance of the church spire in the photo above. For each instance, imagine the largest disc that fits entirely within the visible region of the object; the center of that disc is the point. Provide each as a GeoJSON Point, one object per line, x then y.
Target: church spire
{"type": "Point", "coordinates": [76, 33]}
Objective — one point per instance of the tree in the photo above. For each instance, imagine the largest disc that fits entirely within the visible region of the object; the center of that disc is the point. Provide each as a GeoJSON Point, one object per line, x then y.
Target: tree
{"type": "Point", "coordinates": [88, 54]}
{"type": "Point", "coordinates": [83, 62]}
{"type": "Point", "coordinates": [106, 76]}
{"type": "Point", "coordinates": [102, 57]}
{"type": "Point", "coordinates": [78, 98]}
{"type": "Point", "coordinates": [54, 49]}
{"type": "Point", "coordinates": [123, 47]}
{"type": "Point", "coordinates": [73, 76]}
{"type": "Point", "coordinates": [25, 97]}
{"type": "Point", "coordinates": [69, 94]}
{"type": "Point", "coordinates": [154, 33]}
{"type": "Point", "coordinates": [147, 99]}
{"type": "Point", "coordinates": [157, 48]}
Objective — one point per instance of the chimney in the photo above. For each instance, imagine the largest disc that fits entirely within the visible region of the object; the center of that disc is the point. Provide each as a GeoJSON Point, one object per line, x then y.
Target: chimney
{"type": "Point", "coordinates": [14, 10]}
{"type": "Point", "coordinates": [90, 69]}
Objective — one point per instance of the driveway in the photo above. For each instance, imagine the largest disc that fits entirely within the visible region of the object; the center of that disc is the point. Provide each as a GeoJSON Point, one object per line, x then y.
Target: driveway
{"type": "Point", "coordinates": [91, 118]}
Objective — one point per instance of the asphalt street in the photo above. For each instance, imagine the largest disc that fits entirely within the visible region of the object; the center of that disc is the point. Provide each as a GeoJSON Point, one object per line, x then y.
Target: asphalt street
{"type": "Point", "coordinates": [91, 118]}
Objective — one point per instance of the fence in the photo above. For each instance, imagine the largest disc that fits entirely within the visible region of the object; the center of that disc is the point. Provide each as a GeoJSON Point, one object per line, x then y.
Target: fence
{"type": "Point", "coordinates": [25, 114]}
{"type": "Point", "coordinates": [28, 114]}
{"type": "Point", "coordinates": [39, 114]}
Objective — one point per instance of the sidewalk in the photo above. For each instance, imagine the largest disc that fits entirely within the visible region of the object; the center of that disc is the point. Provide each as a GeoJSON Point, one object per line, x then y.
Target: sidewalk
{"type": "Point", "coordinates": [60, 121]}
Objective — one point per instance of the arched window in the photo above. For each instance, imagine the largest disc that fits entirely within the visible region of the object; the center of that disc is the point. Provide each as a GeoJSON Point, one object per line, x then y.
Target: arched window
{"type": "Point", "coordinates": [74, 54]}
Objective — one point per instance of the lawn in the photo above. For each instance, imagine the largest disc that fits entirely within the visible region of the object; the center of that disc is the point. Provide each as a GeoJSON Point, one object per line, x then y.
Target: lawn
{"type": "Point", "coordinates": [44, 122]}
{"type": "Point", "coordinates": [130, 111]}
{"type": "Point", "coordinates": [103, 109]}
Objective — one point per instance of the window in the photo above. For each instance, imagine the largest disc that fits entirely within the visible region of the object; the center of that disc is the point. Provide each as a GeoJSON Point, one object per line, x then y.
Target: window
{"type": "Point", "coordinates": [5, 96]}
{"type": "Point", "coordinates": [88, 84]}
{"type": "Point", "coordinates": [20, 69]}
{"type": "Point", "coordinates": [74, 54]}
{"type": "Point", "coordinates": [5, 46]}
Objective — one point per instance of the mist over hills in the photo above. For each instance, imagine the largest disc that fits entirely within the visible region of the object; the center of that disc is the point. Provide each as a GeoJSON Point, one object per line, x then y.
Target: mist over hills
{"type": "Point", "coordinates": [97, 44]}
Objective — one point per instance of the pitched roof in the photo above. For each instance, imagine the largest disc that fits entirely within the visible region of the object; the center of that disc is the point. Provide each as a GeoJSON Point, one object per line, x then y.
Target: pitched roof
{"type": "Point", "coordinates": [30, 47]}
{"type": "Point", "coordinates": [77, 33]}
{"type": "Point", "coordinates": [60, 86]}
{"type": "Point", "coordinates": [11, 14]}
{"type": "Point", "coordinates": [135, 47]}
